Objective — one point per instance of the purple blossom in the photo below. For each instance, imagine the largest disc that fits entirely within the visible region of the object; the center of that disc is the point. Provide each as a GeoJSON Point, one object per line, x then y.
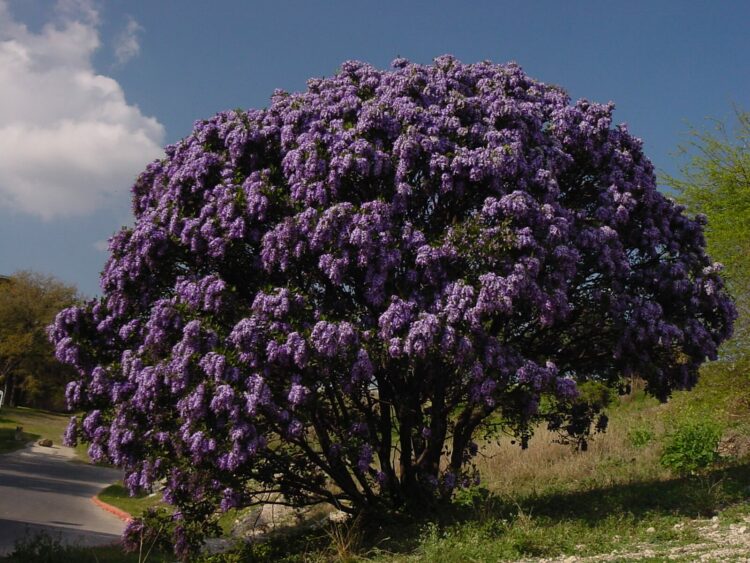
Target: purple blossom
{"type": "Point", "coordinates": [365, 458]}
{"type": "Point", "coordinates": [362, 369]}
{"type": "Point", "coordinates": [566, 389]}
{"type": "Point", "coordinates": [205, 293]}
{"type": "Point", "coordinates": [295, 428]}
{"type": "Point", "coordinates": [329, 339]}
{"type": "Point", "coordinates": [396, 317]}
{"type": "Point", "coordinates": [70, 437]}
{"type": "Point", "coordinates": [258, 394]}
{"type": "Point", "coordinates": [223, 399]}
{"type": "Point", "coordinates": [297, 393]}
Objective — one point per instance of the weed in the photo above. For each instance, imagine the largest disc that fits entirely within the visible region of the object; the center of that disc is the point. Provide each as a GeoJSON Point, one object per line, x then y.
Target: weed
{"type": "Point", "coordinates": [640, 436]}
{"type": "Point", "coordinates": [692, 447]}
{"type": "Point", "coordinates": [346, 538]}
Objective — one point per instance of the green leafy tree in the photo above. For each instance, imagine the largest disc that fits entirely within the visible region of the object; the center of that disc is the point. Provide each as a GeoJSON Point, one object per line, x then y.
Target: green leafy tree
{"type": "Point", "coordinates": [716, 182]}
{"type": "Point", "coordinates": [29, 372]}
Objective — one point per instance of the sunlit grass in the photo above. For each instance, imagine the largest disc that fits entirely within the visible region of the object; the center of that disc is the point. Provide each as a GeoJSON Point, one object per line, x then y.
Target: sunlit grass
{"type": "Point", "coordinates": [37, 425]}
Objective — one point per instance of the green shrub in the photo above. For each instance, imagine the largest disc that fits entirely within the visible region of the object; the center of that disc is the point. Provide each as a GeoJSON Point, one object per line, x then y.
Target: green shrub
{"type": "Point", "coordinates": [692, 447]}
{"type": "Point", "coordinates": [45, 548]}
{"type": "Point", "coordinates": [471, 497]}
{"type": "Point", "coordinates": [640, 436]}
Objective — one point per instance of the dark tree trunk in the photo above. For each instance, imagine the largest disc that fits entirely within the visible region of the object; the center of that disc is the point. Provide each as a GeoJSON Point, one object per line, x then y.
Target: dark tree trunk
{"type": "Point", "coordinates": [10, 390]}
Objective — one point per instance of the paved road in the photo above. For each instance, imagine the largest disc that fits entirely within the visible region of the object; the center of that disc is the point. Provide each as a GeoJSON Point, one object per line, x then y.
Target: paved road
{"type": "Point", "coordinates": [41, 489]}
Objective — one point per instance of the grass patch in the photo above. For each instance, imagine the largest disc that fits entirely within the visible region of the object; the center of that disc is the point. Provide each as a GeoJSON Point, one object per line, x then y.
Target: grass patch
{"type": "Point", "coordinates": [37, 424]}
{"type": "Point", "coordinates": [118, 496]}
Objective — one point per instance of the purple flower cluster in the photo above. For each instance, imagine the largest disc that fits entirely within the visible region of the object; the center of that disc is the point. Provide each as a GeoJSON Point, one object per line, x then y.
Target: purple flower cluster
{"type": "Point", "coordinates": [398, 252]}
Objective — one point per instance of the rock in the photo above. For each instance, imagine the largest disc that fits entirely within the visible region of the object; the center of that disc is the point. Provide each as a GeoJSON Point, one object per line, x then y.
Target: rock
{"type": "Point", "coordinates": [260, 521]}
{"type": "Point", "coordinates": [247, 523]}
{"type": "Point", "coordinates": [650, 530]}
{"type": "Point", "coordinates": [46, 442]}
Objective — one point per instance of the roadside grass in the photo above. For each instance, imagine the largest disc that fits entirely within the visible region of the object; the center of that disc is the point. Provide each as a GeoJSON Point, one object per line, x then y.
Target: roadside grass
{"type": "Point", "coordinates": [118, 496]}
{"type": "Point", "coordinates": [37, 424]}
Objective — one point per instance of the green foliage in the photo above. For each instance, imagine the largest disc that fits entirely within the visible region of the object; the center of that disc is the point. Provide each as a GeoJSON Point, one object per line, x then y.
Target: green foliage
{"type": "Point", "coordinates": [692, 447]}
{"type": "Point", "coordinates": [44, 548]}
{"type": "Point", "coordinates": [641, 435]}
{"type": "Point", "coordinates": [716, 182]}
{"type": "Point", "coordinates": [29, 372]}
{"type": "Point", "coordinates": [471, 497]}
{"type": "Point", "coordinates": [595, 393]}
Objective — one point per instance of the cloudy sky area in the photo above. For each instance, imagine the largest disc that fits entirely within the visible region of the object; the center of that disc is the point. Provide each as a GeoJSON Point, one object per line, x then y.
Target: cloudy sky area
{"type": "Point", "coordinates": [91, 91]}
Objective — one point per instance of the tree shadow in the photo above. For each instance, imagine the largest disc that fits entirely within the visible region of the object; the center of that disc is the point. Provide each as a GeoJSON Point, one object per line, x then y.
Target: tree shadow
{"type": "Point", "coordinates": [33, 414]}
{"type": "Point", "coordinates": [8, 442]}
{"type": "Point", "coordinates": [689, 497]}
{"type": "Point", "coordinates": [683, 496]}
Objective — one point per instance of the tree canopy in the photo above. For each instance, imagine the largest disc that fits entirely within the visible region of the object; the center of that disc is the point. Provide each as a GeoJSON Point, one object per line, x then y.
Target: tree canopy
{"type": "Point", "coordinates": [29, 372]}
{"type": "Point", "coordinates": [333, 297]}
{"type": "Point", "coordinates": [716, 182]}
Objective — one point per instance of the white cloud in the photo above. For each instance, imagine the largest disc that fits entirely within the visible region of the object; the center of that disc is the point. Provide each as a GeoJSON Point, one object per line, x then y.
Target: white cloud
{"type": "Point", "coordinates": [126, 43]}
{"type": "Point", "coordinates": [69, 141]}
{"type": "Point", "coordinates": [78, 10]}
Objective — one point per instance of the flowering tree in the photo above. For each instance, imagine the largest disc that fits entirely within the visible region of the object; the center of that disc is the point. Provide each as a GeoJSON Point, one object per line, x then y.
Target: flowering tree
{"type": "Point", "coordinates": [331, 297]}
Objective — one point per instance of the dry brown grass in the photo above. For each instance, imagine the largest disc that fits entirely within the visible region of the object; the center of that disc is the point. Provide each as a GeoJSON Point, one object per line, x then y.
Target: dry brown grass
{"type": "Point", "coordinates": [611, 458]}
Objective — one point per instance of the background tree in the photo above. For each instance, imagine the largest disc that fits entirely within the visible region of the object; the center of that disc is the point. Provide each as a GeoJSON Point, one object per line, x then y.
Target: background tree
{"type": "Point", "coordinates": [716, 182]}
{"type": "Point", "coordinates": [29, 372]}
{"type": "Point", "coordinates": [335, 297]}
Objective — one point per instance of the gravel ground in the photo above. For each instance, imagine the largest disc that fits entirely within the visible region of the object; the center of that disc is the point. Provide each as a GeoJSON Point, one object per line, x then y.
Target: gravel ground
{"type": "Point", "coordinates": [719, 542]}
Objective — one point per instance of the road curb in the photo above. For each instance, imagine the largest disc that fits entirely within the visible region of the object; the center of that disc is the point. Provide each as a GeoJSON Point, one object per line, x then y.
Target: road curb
{"type": "Point", "coordinates": [121, 514]}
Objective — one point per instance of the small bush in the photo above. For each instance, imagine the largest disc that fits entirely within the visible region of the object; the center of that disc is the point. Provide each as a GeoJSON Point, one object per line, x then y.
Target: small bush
{"type": "Point", "coordinates": [471, 497]}
{"type": "Point", "coordinates": [692, 447]}
{"type": "Point", "coordinates": [46, 548]}
{"type": "Point", "coordinates": [42, 548]}
{"type": "Point", "coordinates": [640, 436]}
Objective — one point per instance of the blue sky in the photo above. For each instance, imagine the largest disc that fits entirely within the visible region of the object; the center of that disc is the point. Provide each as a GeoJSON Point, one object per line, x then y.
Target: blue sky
{"type": "Point", "coordinates": [90, 91]}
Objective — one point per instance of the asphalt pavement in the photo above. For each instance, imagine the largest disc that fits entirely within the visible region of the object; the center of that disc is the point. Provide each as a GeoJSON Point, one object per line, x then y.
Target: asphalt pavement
{"type": "Point", "coordinates": [45, 490]}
